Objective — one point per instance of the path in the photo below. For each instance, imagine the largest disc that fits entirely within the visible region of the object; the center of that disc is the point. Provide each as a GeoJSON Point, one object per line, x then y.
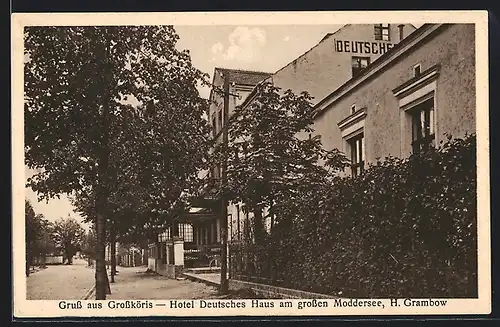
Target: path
{"type": "Point", "coordinates": [133, 283]}
{"type": "Point", "coordinates": [60, 282]}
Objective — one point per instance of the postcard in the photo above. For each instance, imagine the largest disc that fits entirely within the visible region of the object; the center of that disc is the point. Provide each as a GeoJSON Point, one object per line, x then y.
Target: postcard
{"type": "Point", "coordinates": [250, 164]}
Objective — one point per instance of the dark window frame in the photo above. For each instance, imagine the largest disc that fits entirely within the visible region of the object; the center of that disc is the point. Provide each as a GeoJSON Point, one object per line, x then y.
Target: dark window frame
{"type": "Point", "coordinates": [355, 145]}
{"type": "Point", "coordinates": [220, 120]}
{"type": "Point", "coordinates": [422, 140]}
{"type": "Point", "coordinates": [382, 32]}
{"type": "Point", "coordinates": [214, 125]}
{"type": "Point", "coordinates": [359, 68]}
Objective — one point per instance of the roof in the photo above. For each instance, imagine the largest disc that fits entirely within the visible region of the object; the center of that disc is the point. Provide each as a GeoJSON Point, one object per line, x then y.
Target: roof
{"type": "Point", "coordinates": [327, 36]}
{"type": "Point", "coordinates": [244, 77]}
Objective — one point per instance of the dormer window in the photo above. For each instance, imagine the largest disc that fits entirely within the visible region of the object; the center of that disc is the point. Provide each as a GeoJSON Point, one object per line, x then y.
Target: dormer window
{"type": "Point", "coordinates": [353, 108]}
{"type": "Point", "coordinates": [416, 70]}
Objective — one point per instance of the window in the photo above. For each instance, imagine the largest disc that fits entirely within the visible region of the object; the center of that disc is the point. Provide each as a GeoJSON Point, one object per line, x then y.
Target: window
{"type": "Point", "coordinates": [422, 118]}
{"type": "Point", "coordinates": [416, 70]}
{"type": "Point", "coordinates": [186, 231]}
{"type": "Point", "coordinates": [356, 145]}
{"type": "Point", "coordinates": [382, 32]}
{"type": "Point", "coordinates": [353, 108]}
{"type": "Point", "coordinates": [417, 104]}
{"type": "Point", "coordinates": [214, 125]}
{"type": "Point", "coordinates": [358, 64]}
{"type": "Point", "coordinates": [220, 120]}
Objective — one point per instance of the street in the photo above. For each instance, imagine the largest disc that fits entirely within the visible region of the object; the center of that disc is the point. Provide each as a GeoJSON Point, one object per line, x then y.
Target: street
{"type": "Point", "coordinates": [60, 282]}
{"type": "Point", "coordinates": [71, 282]}
{"type": "Point", "coordinates": [135, 284]}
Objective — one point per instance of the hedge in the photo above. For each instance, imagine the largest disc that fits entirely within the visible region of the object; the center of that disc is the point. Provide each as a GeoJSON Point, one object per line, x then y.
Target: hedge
{"type": "Point", "coordinates": [405, 228]}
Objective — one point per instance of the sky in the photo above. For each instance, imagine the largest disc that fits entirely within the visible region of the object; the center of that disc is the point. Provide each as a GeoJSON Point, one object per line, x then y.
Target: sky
{"type": "Point", "coordinates": [261, 48]}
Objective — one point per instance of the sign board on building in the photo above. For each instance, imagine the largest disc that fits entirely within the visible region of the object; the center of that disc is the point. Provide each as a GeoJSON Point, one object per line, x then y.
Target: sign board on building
{"type": "Point", "coordinates": [364, 47]}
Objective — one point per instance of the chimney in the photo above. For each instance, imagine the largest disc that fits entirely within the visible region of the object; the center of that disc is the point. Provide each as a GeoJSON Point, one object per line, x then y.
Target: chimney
{"type": "Point", "coordinates": [401, 36]}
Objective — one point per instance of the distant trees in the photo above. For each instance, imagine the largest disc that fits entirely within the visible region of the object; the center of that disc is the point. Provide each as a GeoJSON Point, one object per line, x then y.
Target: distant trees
{"type": "Point", "coordinates": [40, 237]}
{"type": "Point", "coordinates": [89, 245]}
{"type": "Point", "coordinates": [68, 236]}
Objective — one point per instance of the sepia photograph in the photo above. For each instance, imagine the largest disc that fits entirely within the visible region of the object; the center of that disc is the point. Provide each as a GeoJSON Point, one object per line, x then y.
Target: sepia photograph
{"type": "Point", "coordinates": [306, 164]}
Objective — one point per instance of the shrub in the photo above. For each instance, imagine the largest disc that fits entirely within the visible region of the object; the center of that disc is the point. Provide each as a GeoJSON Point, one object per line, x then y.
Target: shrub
{"type": "Point", "coordinates": [406, 227]}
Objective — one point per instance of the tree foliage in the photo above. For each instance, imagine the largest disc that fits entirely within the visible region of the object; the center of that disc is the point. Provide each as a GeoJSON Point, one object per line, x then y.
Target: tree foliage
{"type": "Point", "coordinates": [68, 236]}
{"type": "Point", "coordinates": [271, 154]}
{"type": "Point", "coordinates": [163, 140]}
{"type": "Point", "coordinates": [38, 235]}
{"type": "Point", "coordinates": [89, 244]}
{"type": "Point", "coordinates": [85, 138]}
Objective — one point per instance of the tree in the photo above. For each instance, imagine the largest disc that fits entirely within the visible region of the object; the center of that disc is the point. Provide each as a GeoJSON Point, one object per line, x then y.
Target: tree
{"type": "Point", "coordinates": [82, 135]}
{"type": "Point", "coordinates": [38, 236]}
{"type": "Point", "coordinates": [31, 233]}
{"type": "Point", "coordinates": [68, 236]}
{"type": "Point", "coordinates": [89, 245]}
{"type": "Point", "coordinates": [45, 244]}
{"type": "Point", "coordinates": [272, 156]}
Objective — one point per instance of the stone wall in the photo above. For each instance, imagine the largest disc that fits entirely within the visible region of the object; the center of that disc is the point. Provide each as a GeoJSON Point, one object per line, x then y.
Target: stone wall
{"type": "Point", "coordinates": [274, 292]}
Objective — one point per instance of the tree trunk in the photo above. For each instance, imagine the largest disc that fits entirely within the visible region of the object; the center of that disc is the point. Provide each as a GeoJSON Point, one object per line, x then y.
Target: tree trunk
{"type": "Point", "coordinates": [107, 285]}
{"type": "Point", "coordinates": [113, 254]}
{"type": "Point", "coordinates": [174, 233]}
{"type": "Point", "coordinates": [102, 281]}
{"type": "Point", "coordinates": [258, 226]}
{"type": "Point", "coordinates": [28, 261]}
{"type": "Point", "coordinates": [100, 265]}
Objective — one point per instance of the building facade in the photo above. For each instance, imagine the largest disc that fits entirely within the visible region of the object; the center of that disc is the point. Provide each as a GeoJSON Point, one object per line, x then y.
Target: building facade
{"type": "Point", "coordinates": [405, 100]}
{"type": "Point", "coordinates": [230, 88]}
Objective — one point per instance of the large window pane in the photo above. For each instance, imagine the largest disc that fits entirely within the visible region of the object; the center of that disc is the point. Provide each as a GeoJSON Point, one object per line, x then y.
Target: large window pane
{"type": "Point", "coordinates": [422, 125]}
{"type": "Point", "coordinates": [356, 145]}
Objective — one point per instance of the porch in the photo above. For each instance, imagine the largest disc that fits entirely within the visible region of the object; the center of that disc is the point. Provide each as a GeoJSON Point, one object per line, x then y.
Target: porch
{"type": "Point", "coordinates": [195, 245]}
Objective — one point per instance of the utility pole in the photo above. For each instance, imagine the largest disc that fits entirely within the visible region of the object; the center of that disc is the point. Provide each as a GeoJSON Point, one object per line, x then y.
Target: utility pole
{"type": "Point", "coordinates": [224, 282]}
